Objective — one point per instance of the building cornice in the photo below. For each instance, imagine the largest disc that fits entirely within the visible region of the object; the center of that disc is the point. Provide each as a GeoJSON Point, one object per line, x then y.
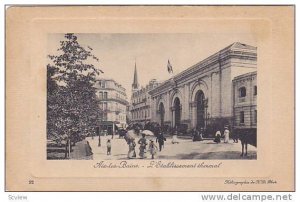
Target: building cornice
{"type": "Point", "coordinates": [245, 77]}
{"type": "Point", "coordinates": [236, 50]}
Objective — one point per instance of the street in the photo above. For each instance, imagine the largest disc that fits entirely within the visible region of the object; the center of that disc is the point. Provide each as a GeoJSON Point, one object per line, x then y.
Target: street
{"type": "Point", "coordinates": [186, 149]}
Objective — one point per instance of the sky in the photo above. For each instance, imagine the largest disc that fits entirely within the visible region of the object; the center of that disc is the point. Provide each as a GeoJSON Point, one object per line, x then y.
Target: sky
{"type": "Point", "coordinates": [151, 52]}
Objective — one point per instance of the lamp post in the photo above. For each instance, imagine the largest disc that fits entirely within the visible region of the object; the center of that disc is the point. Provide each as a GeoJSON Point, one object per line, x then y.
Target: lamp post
{"type": "Point", "coordinates": [99, 131]}
{"type": "Point", "coordinates": [145, 111]}
{"type": "Point", "coordinates": [206, 114]}
{"type": "Point", "coordinates": [145, 119]}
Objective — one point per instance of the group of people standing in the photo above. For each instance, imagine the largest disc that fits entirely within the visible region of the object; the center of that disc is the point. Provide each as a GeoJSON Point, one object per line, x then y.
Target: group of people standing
{"type": "Point", "coordinates": [218, 135]}
{"type": "Point", "coordinates": [143, 142]}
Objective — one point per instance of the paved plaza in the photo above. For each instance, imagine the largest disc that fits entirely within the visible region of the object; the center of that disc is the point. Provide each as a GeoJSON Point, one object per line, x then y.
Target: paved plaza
{"type": "Point", "coordinates": [186, 149]}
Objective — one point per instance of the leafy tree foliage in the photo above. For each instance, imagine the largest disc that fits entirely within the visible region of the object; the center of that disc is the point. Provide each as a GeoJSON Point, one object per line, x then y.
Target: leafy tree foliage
{"type": "Point", "coordinates": [72, 104]}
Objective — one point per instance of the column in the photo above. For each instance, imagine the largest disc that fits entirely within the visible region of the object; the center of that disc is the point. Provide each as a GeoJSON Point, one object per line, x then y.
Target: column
{"type": "Point", "coordinates": [193, 114]}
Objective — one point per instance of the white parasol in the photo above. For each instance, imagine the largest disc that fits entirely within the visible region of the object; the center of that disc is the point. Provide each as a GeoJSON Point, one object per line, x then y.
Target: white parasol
{"type": "Point", "coordinates": [148, 132]}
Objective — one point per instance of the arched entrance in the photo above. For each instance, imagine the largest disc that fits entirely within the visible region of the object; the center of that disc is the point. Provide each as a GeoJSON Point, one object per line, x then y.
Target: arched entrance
{"type": "Point", "coordinates": [177, 111]}
{"type": "Point", "coordinates": [161, 113]}
{"type": "Point", "coordinates": [200, 103]}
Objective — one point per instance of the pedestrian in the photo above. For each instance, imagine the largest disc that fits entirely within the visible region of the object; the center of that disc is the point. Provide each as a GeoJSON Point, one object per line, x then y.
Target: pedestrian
{"type": "Point", "coordinates": [99, 141]}
{"type": "Point", "coordinates": [201, 134]}
{"type": "Point", "coordinates": [108, 145]}
{"type": "Point", "coordinates": [143, 143]}
{"type": "Point", "coordinates": [137, 130]}
{"type": "Point", "coordinates": [161, 140]}
{"type": "Point", "coordinates": [152, 149]}
{"type": "Point", "coordinates": [131, 152]}
{"type": "Point", "coordinates": [88, 150]}
{"type": "Point", "coordinates": [226, 135]}
{"type": "Point", "coordinates": [174, 137]}
{"type": "Point", "coordinates": [197, 136]}
{"type": "Point", "coordinates": [217, 137]}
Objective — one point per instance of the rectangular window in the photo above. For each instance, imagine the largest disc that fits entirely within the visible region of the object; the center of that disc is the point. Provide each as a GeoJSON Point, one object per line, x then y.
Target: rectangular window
{"type": "Point", "coordinates": [242, 92]}
{"type": "Point", "coordinates": [105, 95]}
{"type": "Point", "coordinates": [242, 117]}
{"type": "Point", "coordinates": [102, 84]}
{"type": "Point", "coordinates": [105, 105]}
{"type": "Point", "coordinates": [101, 95]}
{"type": "Point", "coordinates": [255, 90]}
{"type": "Point", "coordinates": [255, 116]}
{"type": "Point", "coordinates": [105, 117]}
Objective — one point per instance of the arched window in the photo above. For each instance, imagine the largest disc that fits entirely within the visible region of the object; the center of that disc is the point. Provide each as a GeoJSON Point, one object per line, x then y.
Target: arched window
{"type": "Point", "coordinates": [242, 92]}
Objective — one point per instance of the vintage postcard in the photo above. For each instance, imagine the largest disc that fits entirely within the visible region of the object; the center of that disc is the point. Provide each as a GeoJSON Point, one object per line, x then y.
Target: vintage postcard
{"type": "Point", "coordinates": [150, 98]}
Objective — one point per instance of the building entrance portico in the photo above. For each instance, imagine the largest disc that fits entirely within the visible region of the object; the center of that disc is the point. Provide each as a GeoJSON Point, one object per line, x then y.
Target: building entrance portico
{"type": "Point", "coordinates": [201, 96]}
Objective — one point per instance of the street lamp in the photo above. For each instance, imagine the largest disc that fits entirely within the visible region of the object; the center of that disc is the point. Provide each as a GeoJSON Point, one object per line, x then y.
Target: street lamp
{"type": "Point", "coordinates": [206, 114]}
{"type": "Point", "coordinates": [145, 111]}
{"type": "Point", "coordinates": [99, 132]}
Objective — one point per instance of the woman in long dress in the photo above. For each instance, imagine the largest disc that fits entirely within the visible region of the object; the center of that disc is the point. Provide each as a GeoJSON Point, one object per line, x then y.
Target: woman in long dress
{"type": "Point", "coordinates": [201, 134]}
{"type": "Point", "coordinates": [152, 149]}
{"type": "Point", "coordinates": [226, 135]}
{"type": "Point", "coordinates": [174, 137]}
{"type": "Point", "coordinates": [217, 137]}
{"type": "Point", "coordinates": [131, 152]}
{"type": "Point", "coordinates": [88, 150]}
{"type": "Point", "coordinates": [143, 144]}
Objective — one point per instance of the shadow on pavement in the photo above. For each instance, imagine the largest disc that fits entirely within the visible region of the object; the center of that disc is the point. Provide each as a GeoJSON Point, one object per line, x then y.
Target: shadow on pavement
{"type": "Point", "coordinates": [213, 155]}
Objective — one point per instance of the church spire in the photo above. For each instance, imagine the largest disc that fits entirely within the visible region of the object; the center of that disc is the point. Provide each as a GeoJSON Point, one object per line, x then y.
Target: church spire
{"type": "Point", "coordinates": [135, 84]}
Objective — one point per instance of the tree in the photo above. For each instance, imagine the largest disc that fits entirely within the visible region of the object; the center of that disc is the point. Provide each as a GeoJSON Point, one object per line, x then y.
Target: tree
{"type": "Point", "coordinates": [72, 104]}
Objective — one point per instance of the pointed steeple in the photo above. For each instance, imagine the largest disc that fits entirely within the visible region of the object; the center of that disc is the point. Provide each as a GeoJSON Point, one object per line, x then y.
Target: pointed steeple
{"type": "Point", "coordinates": [135, 84]}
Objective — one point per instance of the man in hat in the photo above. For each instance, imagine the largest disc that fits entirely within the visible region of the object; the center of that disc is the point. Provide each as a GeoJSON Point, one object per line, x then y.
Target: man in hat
{"type": "Point", "coordinates": [160, 139]}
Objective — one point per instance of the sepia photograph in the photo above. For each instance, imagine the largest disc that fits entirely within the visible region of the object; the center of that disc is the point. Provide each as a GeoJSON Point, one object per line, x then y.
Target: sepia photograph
{"type": "Point", "coordinates": [150, 98]}
{"type": "Point", "coordinates": [189, 97]}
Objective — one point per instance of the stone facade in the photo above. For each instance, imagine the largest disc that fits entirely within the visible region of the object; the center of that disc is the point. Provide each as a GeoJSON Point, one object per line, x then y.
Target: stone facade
{"type": "Point", "coordinates": [113, 103]}
{"type": "Point", "coordinates": [245, 98]}
{"type": "Point", "coordinates": [203, 93]}
{"type": "Point", "coordinates": [140, 103]}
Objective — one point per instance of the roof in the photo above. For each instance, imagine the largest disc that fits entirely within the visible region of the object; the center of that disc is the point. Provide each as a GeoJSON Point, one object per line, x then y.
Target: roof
{"type": "Point", "coordinates": [236, 46]}
{"type": "Point", "coordinates": [249, 74]}
{"type": "Point", "coordinates": [234, 49]}
{"type": "Point", "coordinates": [135, 83]}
